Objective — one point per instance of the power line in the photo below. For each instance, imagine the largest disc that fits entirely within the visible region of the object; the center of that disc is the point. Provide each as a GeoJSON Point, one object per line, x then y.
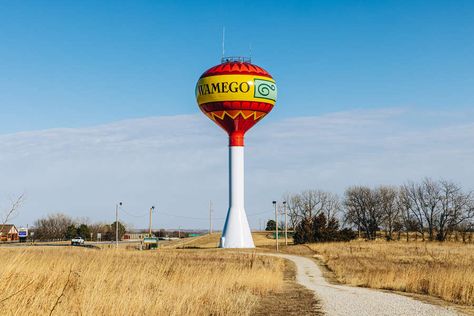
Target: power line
{"type": "Point", "coordinates": [256, 214]}
{"type": "Point", "coordinates": [188, 217]}
{"type": "Point", "coordinates": [133, 215]}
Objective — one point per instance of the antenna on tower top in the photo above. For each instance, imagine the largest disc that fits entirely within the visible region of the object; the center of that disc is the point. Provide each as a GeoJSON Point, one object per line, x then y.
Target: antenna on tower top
{"type": "Point", "coordinates": [238, 59]}
{"type": "Point", "coordinates": [250, 49]}
{"type": "Point", "coordinates": [223, 42]}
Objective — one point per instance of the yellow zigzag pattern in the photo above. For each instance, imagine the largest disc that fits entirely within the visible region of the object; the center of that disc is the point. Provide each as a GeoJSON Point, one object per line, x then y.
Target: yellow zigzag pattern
{"type": "Point", "coordinates": [233, 115]}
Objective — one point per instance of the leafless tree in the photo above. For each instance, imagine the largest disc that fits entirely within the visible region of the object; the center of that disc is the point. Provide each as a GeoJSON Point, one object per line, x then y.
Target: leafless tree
{"type": "Point", "coordinates": [292, 206]}
{"type": "Point", "coordinates": [53, 226]}
{"type": "Point", "coordinates": [101, 228]}
{"type": "Point", "coordinates": [409, 220]}
{"type": "Point", "coordinates": [440, 207]}
{"type": "Point", "coordinates": [456, 208]}
{"type": "Point", "coordinates": [314, 202]}
{"type": "Point", "coordinates": [466, 228]}
{"type": "Point", "coordinates": [12, 209]}
{"type": "Point", "coordinates": [388, 204]}
{"type": "Point", "coordinates": [421, 199]}
{"type": "Point", "coordinates": [332, 205]}
{"type": "Point", "coordinates": [310, 203]}
{"type": "Point", "coordinates": [361, 205]}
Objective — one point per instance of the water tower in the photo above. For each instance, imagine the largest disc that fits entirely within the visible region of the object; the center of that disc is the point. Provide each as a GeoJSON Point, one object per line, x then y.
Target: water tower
{"type": "Point", "coordinates": [236, 94]}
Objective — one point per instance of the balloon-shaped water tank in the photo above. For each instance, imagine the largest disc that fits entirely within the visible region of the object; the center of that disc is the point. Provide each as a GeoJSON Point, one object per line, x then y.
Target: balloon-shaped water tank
{"type": "Point", "coordinates": [236, 94]}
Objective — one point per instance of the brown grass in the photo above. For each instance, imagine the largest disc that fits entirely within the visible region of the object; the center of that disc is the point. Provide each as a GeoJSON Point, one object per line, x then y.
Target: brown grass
{"type": "Point", "coordinates": [292, 299]}
{"type": "Point", "coordinates": [75, 281]}
{"type": "Point", "coordinates": [442, 270]}
{"type": "Point", "coordinates": [262, 240]}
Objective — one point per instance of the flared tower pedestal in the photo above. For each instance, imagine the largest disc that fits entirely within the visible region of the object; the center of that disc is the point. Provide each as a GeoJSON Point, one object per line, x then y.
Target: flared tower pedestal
{"type": "Point", "coordinates": [236, 232]}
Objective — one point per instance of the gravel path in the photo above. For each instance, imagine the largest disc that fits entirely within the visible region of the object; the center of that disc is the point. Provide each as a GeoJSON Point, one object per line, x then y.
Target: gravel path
{"type": "Point", "coordinates": [347, 300]}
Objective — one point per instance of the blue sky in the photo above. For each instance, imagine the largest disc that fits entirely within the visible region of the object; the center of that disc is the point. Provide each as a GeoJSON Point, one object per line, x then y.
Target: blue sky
{"type": "Point", "coordinates": [395, 78]}
{"type": "Point", "coordinates": [74, 64]}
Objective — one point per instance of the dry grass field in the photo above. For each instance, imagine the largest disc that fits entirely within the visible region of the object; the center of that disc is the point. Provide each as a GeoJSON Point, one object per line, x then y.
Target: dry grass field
{"type": "Point", "coordinates": [77, 281]}
{"type": "Point", "coordinates": [444, 270]}
{"type": "Point", "coordinates": [261, 240]}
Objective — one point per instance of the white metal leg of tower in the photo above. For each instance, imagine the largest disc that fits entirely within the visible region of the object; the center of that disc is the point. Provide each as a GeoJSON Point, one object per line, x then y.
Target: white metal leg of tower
{"type": "Point", "coordinates": [236, 232]}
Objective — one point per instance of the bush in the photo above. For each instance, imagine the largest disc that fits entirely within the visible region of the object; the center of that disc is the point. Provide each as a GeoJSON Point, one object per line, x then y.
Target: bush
{"type": "Point", "coordinates": [320, 229]}
{"type": "Point", "coordinates": [347, 234]}
{"type": "Point", "coordinates": [270, 225]}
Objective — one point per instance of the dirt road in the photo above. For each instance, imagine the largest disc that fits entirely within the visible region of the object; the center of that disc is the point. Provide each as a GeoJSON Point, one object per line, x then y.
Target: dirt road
{"type": "Point", "coordinates": [347, 300]}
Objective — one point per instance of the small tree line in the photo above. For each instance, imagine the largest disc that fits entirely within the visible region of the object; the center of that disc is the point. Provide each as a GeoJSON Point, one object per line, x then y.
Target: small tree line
{"type": "Point", "coordinates": [433, 209]}
{"type": "Point", "coordinates": [60, 227]}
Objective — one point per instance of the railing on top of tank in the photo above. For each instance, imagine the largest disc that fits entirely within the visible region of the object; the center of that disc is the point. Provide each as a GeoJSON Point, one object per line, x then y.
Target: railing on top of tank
{"type": "Point", "coordinates": [236, 59]}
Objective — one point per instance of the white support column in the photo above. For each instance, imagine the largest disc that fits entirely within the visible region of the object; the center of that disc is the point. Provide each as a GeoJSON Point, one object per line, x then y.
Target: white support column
{"type": "Point", "coordinates": [236, 232]}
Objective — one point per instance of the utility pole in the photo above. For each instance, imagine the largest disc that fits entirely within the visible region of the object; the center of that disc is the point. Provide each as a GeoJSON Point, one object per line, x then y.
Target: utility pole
{"type": "Point", "coordinates": [286, 223]}
{"type": "Point", "coordinates": [179, 232]}
{"type": "Point", "coordinates": [116, 225]}
{"type": "Point", "coordinates": [210, 217]}
{"type": "Point", "coordinates": [149, 227]}
{"type": "Point", "coordinates": [276, 224]}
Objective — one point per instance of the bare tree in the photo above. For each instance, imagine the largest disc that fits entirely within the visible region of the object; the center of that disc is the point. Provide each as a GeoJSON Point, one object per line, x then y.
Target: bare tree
{"type": "Point", "coordinates": [456, 207]}
{"type": "Point", "coordinates": [314, 202]}
{"type": "Point", "coordinates": [439, 206]}
{"type": "Point", "coordinates": [409, 220]}
{"type": "Point", "coordinates": [53, 227]}
{"type": "Point", "coordinates": [414, 203]}
{"type": "Point", "coordinates": [429, 193]}
{"type": "Point", "coordinates": [361, 205]}
{"type": "Point", "coordinates": [331, 206]}
{"type": "Point", "coordinates": [12, 210]}
{"type": "Point", "coordinates": [292, 206]}
{"type": "Point", "coordinates": [311, 203]}
{"type": "Point", "coordinates": [387, 198]}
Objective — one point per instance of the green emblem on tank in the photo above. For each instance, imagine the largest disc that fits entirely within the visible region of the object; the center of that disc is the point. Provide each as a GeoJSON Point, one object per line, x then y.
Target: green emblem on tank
{"type": "Point", "coordinates": [265, 89]}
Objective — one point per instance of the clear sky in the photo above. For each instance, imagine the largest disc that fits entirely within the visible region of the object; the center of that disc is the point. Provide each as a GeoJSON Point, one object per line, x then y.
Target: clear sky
{"type": "Point", "coordinates": [73, 64]}
{"type": "Point", "coordinates": [94, 66]}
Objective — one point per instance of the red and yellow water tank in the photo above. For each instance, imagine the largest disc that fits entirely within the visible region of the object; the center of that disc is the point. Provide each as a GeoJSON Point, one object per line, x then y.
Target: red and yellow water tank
{"type": "Point", "coordinates": [236, 94]}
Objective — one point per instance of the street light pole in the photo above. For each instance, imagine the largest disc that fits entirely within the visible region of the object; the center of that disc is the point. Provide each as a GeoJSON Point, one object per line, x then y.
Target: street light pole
{"type": "Point", "coordinates": [210, 217]}
{"type": "Point", "coordinates": [116, 224]}
{"type": "Point", "coordinates": [286, 224]}
{"type": "Point", "coordinates": [149, 228]}
{"type": "Point", "coordinates": [276, 224]}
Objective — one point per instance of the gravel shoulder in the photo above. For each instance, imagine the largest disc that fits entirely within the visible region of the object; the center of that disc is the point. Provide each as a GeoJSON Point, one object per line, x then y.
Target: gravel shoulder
{"type": "Point", "coordinates": [339, 300]}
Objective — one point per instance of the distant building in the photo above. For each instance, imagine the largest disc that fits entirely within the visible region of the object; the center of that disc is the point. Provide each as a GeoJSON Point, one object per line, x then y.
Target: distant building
{"type": "Point", "coordinates": [134, 236]}
{"type": "Point", "coordinates": [8, 232]}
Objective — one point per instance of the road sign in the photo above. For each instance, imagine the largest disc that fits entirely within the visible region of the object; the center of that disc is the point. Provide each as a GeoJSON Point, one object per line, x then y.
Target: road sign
{"type": "Point", "coordinates": [23, 232]}
{"type": "Point", "coordinates": [150, 240]}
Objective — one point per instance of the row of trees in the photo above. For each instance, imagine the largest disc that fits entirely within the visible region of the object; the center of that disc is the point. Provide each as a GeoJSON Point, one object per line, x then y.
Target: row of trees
{"type": "Point", "coordinates": [60, 226]}
{"type": "Point", "coordinates": [431, 208]}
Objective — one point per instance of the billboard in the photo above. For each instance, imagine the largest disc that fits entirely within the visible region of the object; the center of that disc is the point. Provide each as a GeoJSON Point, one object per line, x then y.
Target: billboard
{"type": "Point", "coordinates": [23, 232]}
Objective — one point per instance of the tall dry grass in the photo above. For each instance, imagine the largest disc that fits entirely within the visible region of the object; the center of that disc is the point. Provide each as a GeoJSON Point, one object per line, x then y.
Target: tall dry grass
{"type": "Point", "coordinates": [76, 281]}
{"type": "Point", "coordinates": [261, 239]}
{"type": "Point", "coordinates": [444, 270]}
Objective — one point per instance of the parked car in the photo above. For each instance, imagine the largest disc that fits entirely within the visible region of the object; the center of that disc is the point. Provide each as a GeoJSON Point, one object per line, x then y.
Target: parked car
{"type": "Point", "coordinates": [78, 241]}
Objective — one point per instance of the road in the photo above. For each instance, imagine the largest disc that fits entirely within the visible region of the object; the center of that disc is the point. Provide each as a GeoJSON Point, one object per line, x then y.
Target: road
{"type": "Point", "coordinates": [338, 300]}
{"type": "Point", "coordinates": [63, 243]}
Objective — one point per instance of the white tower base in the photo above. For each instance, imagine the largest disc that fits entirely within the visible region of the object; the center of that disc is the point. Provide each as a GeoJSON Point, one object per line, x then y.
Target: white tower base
{"type": "Point", "coordinates": [236, 232]}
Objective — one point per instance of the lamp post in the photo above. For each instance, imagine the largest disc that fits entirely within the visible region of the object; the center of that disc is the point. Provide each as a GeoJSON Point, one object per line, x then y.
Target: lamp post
{"type": "Point", "coordinates": [210, 217]}
{"type": "Point", "coordinates": [276, 224]}
{"type": "Point", "coordinates": [149, 228]}
{"type": "Point", "coordinates": [116, 224]}
{"type": "Point", "coordinates": [286, 224]}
